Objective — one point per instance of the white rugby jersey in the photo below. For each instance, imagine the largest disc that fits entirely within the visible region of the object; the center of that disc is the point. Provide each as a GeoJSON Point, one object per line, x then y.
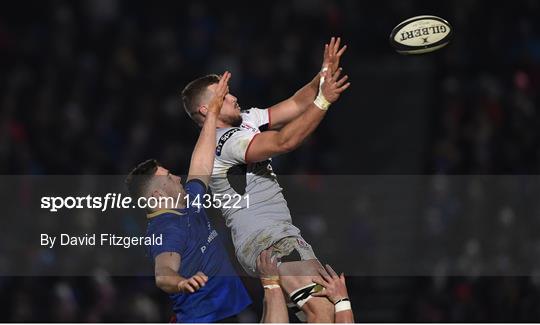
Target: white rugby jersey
{"type": "Point", "coordinates": [263, 216]}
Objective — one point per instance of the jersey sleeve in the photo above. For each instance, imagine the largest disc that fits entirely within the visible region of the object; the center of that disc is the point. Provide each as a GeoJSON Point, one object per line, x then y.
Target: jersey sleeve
{"type": "Point", "coordinates": [233, 146]}
{"type": "Point", "coordinates": [195, 187]}
{"type": "Point", "coordinates": [259, 117]}
{"type": "Point", "coordinates": [195, 190]}
{"type": "Point", "coordinates": [174, 241]}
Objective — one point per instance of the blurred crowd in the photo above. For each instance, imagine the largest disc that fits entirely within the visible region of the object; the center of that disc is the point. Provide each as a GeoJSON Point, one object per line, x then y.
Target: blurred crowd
{"type": "Point", "coordinates": [92, 87]}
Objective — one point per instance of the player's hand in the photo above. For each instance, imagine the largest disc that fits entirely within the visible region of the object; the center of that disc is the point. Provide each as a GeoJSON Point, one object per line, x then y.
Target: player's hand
{"type": "Point", "coordinates": [267, 268]}
{"type": "Point", "coordinates": [334, 285]}
{"type": "Point", "coordinates": [332, 87]}
{"type": "Point", "coordinates": [221, 91]}
{"type": "Point", "coordinates": [193, 284]}
{"type": "Point", "coordinates": [332, 54]}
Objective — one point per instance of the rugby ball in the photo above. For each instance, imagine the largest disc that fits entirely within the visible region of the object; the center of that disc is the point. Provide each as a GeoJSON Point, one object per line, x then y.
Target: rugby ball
{"type": "Point", "coordinates": [421, 34]}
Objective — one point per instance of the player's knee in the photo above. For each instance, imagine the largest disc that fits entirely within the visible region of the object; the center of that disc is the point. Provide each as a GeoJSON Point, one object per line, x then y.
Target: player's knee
{"type": "Point", "coordinates": [320, 309]}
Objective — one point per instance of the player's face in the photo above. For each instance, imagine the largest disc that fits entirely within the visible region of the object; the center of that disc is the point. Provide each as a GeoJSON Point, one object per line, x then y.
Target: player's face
{"type": "Point", "coordinates": [230, 111]}
{"type": "Point", "coordinates": [168, 183]}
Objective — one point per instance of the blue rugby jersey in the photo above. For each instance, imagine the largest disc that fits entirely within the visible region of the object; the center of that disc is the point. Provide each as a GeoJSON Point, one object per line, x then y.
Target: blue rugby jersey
{"type": "Point", "coordinates": [189, 233]}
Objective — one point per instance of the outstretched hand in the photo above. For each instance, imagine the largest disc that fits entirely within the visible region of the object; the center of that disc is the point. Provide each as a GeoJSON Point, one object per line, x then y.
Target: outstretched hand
{"type": "Point", "coordinates": [332, 54]}
{"type": "Point", "coordinates": [221, 91]}
{"type": "Point", "coordinates": [332, 86]}
{"type": "Point", "coordinates": [334, 285]}
{"type": "Point", "coordinates": [193, 284]}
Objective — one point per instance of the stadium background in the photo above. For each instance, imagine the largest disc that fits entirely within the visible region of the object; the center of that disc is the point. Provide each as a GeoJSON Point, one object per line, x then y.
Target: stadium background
{"type": "Point", "coordinates": [91, 87]}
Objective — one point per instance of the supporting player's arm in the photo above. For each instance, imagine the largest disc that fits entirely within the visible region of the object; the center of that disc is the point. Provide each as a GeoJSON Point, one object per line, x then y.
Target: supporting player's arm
{"type": "Point", "coordinates": [202, 159]}
{"type": "Point", "coordinates": [166, 269]}
{"type": "Point", "coordinates": [287, 110]}
{"type": "Point", "coordinates": [274, 305]}
{"type": "Point", "coordinates": [335, 290]}
{"type": "Point", "coordinates": [271, 143]}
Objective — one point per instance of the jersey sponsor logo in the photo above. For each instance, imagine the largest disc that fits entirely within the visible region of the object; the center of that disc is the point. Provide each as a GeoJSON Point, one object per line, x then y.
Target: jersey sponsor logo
{"type": "Point", "coordinates": [211, 237]}
{"type": "Point", "coordinates": [226, 136]}
{"type": "Point", "coordinates": [249, 127]}
{"type": "Point", "coordinates": [302, 243]}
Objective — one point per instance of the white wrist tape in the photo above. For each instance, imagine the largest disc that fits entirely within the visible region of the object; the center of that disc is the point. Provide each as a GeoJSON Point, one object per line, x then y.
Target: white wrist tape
{"type": "Point", "coordinates": [320, 101]}
{"type": "Point", "coordinates": [271, 286]}
{"type": "Point", "coordinates": [343, 306]}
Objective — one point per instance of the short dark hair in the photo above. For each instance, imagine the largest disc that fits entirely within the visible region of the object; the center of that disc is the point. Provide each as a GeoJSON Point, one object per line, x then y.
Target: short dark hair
{"type": "Point", "coordinates": [139, 178]}
{"type": "Point", "coordinates": [193, 92]}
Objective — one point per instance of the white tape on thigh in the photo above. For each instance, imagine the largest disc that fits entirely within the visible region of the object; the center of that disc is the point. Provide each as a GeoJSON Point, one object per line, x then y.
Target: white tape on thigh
{"type": "Point", "coordinates": [302, 295]}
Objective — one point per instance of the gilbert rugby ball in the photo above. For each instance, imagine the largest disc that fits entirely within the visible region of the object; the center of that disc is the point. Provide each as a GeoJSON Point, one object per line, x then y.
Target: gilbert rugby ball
{"type": "Point", "coordinates": [421, 34]}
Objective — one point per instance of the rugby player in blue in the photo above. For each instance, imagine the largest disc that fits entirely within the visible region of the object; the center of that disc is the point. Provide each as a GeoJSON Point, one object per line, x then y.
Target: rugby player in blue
{"type": "Point", "coordinates": [191, 265]}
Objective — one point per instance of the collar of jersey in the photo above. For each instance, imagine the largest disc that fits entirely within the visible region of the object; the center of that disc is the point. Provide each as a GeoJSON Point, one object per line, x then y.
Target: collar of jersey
{"type": "Point", "coordinates": [160, 212]}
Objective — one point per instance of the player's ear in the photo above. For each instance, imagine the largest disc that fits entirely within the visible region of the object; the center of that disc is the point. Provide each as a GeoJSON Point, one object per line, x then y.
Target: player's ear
{"type": "Point", "coordinates": [157, 193]}
{"type": "Point", "coordinates": [203, 109]}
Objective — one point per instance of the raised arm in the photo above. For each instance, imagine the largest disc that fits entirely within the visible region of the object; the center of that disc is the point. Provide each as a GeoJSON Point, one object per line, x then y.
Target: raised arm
{"type": "Point", "coordinates": [274, 305]}
{"type": "Point", "coordinates": [166, 269]}
{"type": "Point", "coordinates": [271, 143]}
{"type": "Point", "coordinates": [202, 159]}
{"type": "Point", "coordinates": [287, 110]}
